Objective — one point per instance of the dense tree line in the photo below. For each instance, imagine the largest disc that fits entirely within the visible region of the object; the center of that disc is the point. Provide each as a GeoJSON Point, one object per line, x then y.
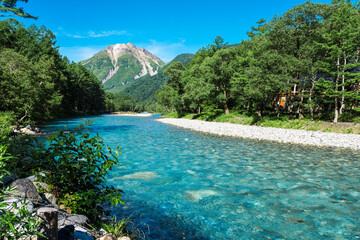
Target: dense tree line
{"type": "Point", "coordinates": [36, 82]}
{"type": "Point", "coordinates": [302, 63]}
{"type": "Point", "coordinates": [118, 102]}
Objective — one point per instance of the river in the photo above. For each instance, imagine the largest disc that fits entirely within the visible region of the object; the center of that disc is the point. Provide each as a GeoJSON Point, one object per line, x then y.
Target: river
{"type": "Point", "coordinates": [181, 184]}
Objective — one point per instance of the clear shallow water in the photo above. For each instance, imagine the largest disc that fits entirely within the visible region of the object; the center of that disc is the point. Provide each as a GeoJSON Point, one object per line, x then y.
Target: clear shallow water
{"type": "Point", "coordinates": [181, 184]}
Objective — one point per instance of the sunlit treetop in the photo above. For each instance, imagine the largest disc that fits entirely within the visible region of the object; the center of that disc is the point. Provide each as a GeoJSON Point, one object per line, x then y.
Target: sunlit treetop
{"type": "Point", "coordinates": [8, 9]}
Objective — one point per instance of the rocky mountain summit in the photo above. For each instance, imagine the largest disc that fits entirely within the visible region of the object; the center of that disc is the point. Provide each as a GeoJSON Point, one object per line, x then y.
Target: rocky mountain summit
{"type": "Point", "coordinates": [120, 64]}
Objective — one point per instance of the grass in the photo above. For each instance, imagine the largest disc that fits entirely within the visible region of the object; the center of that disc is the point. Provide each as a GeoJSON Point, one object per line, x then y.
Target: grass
{"type": "Point", "coordinates": [123, 227]}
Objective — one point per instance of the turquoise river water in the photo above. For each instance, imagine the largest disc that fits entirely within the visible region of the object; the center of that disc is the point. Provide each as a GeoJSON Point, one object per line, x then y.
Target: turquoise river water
{"type": "Point", "coordinates": [181, 184]}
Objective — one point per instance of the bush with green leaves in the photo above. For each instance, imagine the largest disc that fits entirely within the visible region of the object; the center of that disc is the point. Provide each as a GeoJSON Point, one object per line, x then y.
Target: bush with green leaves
{"type": "Point", "coordinates": [77, 165]}
{"type": "Point", "coordinates": [7, 119]}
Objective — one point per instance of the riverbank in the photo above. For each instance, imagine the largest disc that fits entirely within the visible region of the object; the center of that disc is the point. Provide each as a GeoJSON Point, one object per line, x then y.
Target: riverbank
{"type": "Point", "coordinates": [314, 138]}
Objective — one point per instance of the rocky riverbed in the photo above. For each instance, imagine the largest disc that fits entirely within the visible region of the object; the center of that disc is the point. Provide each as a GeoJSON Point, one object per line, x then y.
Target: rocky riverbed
{"type": "Point", "coordinates": [314, 138]}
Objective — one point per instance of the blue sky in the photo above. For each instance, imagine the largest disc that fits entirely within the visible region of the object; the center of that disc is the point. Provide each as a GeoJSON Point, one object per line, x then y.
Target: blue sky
{"type": "Point", "coordinates": [165, 28]}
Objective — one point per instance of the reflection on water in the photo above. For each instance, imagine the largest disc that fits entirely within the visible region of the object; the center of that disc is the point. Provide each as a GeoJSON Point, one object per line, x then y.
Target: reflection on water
{"type": "Point", "coordinates": [181, 184]}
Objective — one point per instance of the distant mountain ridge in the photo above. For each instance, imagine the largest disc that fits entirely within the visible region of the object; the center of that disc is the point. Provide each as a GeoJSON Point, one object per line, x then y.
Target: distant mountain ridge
{"type": "Point", "coordinates": [121, 64]}
{"type": "Point", "coordinates": [144, 89]}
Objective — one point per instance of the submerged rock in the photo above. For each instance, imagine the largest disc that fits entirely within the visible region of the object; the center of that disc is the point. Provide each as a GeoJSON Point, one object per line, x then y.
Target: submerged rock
{"type": "Point", "coordinates": [200, 194]}
{"type": "Point", "coordinates": [140, 175]}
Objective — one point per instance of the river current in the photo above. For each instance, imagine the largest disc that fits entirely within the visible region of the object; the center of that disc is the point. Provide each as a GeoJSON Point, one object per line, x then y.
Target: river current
{"type": "Point", "coordinates": [180, 184]}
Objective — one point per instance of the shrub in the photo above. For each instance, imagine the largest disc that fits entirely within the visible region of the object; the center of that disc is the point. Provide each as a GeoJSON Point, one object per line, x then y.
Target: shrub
{"type": "Point", "coordinates": [7, 119]}
{"type": "Point", "coordinates": [77, 164]}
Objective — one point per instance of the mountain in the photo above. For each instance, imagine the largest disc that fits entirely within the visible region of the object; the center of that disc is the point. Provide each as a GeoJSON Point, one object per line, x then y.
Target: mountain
{"type": "Point", "coordinates": [121, 64]}
{"type": "Point", "coordinates": [144, 89]}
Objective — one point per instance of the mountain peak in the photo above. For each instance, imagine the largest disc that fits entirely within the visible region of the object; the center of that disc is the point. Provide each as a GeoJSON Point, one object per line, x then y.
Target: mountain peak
{"type": "Point", "coordinates": [124, 62]}
{"type": "Point", "coordinates": [131, 45]}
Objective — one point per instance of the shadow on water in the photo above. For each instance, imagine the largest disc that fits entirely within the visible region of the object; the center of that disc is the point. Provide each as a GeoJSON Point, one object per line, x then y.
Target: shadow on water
{"type": "Point", "coordinates": [156, 224]}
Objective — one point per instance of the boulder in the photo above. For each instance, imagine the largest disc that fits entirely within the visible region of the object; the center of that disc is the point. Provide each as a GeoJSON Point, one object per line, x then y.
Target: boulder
{"type": "Point", "coordinates": [25, 188]}
{"type": "Point", "coordinates": [28, 129]}
{"type": "Point", "coordinates": [49, 223]}
{"type": "Point", "coordinates": [124, 238]}
{"type": "Point", "coordinates": [69, 219]}
{"type": "Point", "coordinates": [32, 178]}
{"type": "Point", "coordinates": [77, 220]}
{"type": "Point", "coordinates": [41, 186]}
{"type": "Point", "coordinates": [49, 197]}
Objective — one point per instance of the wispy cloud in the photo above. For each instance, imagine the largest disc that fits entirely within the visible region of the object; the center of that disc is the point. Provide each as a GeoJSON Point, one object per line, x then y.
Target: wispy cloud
{"type": "Point", "coordinates": [77, 54]}
{"type": "Point", "coordinates": [93, 34]}
{"type": "Point", "coordinates": [168, 51]}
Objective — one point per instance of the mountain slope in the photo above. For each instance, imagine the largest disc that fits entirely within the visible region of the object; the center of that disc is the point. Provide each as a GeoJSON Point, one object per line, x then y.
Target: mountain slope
{"type": "Point", "coordinates": [145, 88]}
{"type": "Point", "coordinates": [122, 64]}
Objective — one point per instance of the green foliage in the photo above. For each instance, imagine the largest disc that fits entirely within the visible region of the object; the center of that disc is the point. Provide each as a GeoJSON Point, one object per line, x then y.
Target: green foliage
{"type": "Point", "coordinates": [304, 63]}
{"type": "Point", "coordinates": [77, 164]}
{"type": "Point", "coordinates": [99, 65]}
{"type": "Point", "coordinates": [8, 9]}
{"type": "Point", "coordinates": [144, 89]}
{"type": "Point", "coordinates": [4, 158]}
{"type": "Point", "coordinates": [19, 225]}
{"type": "Point", "coordinates": [172, 115]}
{"type": "Point", "coordinates": [7, 120]}
{"type": "Point", "coordinates": [117, 228]}
{"type": "Point", "coordinates": [120, 102]}
{"type": "Point", "coordinates": [36, 82]}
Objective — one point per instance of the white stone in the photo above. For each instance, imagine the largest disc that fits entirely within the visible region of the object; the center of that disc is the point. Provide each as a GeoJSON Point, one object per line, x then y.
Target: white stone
{"type": "Point", "coordinates": [50, 197]}
{"type": "Point", "coordinates": [315, 138]}
{"type": "Point", "coordinates": [124, 238]}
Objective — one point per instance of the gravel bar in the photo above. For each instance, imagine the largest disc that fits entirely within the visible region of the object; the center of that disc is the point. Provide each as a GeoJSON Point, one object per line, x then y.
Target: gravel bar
{"type": "Point", "coordinates": [314, 138]}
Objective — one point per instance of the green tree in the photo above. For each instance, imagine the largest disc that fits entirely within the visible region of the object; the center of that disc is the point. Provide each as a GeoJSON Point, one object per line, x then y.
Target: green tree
{"type": "Point", "coordinates": [174, 71]}
{"type": "Point", "coordinates": [219, 71]}
{"type": "Point", "coordinates": [340, 40]}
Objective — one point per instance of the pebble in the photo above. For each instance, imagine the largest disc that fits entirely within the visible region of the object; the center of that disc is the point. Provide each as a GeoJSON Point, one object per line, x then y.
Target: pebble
{"type": "Point", "coordinates": [314, 138]}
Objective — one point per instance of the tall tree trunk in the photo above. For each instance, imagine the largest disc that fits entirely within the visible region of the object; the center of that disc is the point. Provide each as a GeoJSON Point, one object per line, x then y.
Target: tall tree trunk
{"type": "Point", "coordinates": [227, 111]}
{"type": "Point", "coordinates": [300, 110]}
{"type": "Point", "coordinates": [336, 91]}
{"type": "Point", "coordinates": [226, 108]}
{"type": "Point", "coordinates": [357, 84]}
{"type": "Point", "coordinates": [342, 103]}
{"type": "Point", "coordinates": [313, 77]}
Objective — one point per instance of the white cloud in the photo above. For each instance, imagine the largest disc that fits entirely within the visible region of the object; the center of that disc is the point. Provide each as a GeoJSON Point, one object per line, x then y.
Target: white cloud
{"type": "Point", "coordinates": [107, 33]}
{"type": "Point", "coordinates": [93, 34]}
{"type": "Point", "coordinates": [77, 54]}
{"type": "Point", "coordinates": [168, 51]}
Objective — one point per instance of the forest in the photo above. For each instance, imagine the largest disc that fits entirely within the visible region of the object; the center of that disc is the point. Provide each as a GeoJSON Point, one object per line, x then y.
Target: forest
{"type": "Point", "coordinates": [303, 64]}
{"type": "Point", "coordinates": [37, 83]}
